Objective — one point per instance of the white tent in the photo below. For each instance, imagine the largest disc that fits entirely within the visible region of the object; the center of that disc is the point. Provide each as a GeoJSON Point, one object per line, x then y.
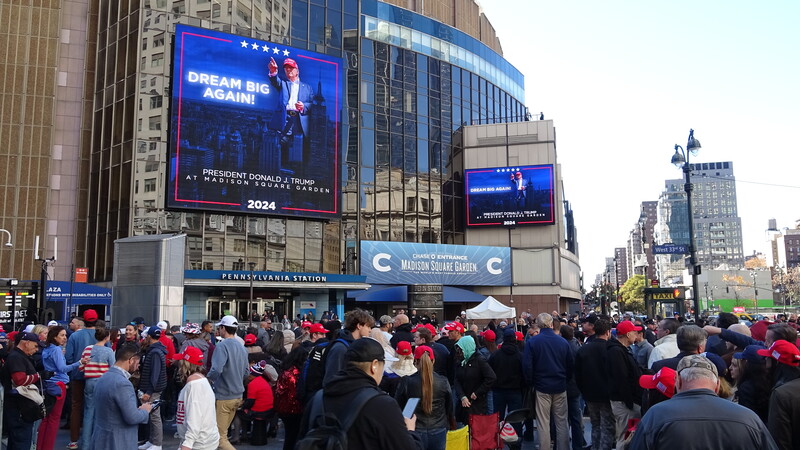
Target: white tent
{"type": "Point", "coordinates": [491, 309]}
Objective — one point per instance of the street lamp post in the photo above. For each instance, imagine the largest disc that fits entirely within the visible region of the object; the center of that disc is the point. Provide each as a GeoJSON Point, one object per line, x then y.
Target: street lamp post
{"type": "Point", "coordinates": [643, 226]}
{"type": "Point", "coordinates": [754, 275]}
{"type": "Point", "coordinates": [681, 160]}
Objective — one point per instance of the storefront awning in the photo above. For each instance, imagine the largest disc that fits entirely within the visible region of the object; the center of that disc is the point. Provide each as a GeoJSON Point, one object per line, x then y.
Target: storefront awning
{"type": "Point", "coordinates": [458, 295]}
{"type": "Point", "coordinates": [381, 293]}
{"type": "Point", "coordinates": [399, 294]}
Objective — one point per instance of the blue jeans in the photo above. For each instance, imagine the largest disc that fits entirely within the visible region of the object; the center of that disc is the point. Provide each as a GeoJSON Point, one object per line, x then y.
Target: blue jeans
{"type": "Point", "coordinates": [433, 438]}
{"type": "Point", "coordinates": [88, 414]}
{"type": "Point", "coordinates": [20, 433]}
{"type": "Point", "coordinates": [575, 416]}
{"type": "Point", "coordinates": [508, 398]}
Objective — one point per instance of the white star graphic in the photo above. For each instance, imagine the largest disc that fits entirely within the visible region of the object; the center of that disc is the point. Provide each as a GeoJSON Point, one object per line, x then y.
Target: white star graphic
{"type": "Point", "coordinates": [275, 50]}
{"type": "Point", "coordinates": [244, 44]}
{"type": "Point", "coordinates": [265, 48]}
{"type": "Point", "coordinates": [286, 53]}
{"type": "Point", "coordinates": [255, 46]}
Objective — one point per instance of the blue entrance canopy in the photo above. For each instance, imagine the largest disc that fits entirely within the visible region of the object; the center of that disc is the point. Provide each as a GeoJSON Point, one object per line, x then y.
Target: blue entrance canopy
{"type": "Point", "coordinates": [399, 294]}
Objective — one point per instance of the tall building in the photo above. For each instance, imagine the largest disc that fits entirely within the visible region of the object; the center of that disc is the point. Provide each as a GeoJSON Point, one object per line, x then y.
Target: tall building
{"type": "Point", "coordinates": [717, 226]}
{"type": "Point", "coordinates": [640, 242]}
{"type": "Point", "coordinates": [621, 265]}
{"type": "Point", "coordinates": [101, 72]}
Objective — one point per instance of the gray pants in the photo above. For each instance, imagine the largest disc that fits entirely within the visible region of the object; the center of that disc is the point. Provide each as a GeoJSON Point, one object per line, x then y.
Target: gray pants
{"type": "Point", "coordinates": [156, 427]}
{"type": "Point", "coordinates": [621, 416]}
{"type": "Point", "coordinates": [603, 426]}
{"type": "Point", "coordinates": [557, 405]}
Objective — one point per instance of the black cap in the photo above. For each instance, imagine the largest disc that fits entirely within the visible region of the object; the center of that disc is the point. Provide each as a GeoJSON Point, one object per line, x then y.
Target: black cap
{"type": "Point", "coordinates": [138, 320]}
{"type": "Point", "coordinates": [29, 337]}
{"type": "Point", "coordinates": [154, 332]}
{"type": "Point", "coordinates": [365, 350]}
{"type": "Point", "coordinates": [590, 318]}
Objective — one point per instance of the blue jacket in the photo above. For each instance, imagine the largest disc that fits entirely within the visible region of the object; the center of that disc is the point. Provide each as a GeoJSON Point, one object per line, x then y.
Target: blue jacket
{"type": "Point", "coordinates": [53, 360]}
{"type": "Point", "coordinates": [548, 362]}
{"type": "Point", "coordinates": [117, 427]}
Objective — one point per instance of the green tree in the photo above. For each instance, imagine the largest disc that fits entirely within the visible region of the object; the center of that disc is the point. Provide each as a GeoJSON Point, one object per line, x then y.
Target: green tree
{"type": "Point", "coordinates": [632, 294]}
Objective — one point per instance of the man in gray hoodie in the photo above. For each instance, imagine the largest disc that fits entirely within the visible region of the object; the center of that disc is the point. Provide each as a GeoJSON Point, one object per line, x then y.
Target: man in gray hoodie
{"type": "Point", "coordinates": [228, 369]}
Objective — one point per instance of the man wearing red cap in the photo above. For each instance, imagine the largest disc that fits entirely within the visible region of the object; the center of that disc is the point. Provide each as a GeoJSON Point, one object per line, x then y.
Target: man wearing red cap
{"type": "Point", "coordinates": [784, 403]}
{"type": "Point", "coordinates": [292, 113]}
{"type": "Point", "coordinates": [76, 342]}
{"type": "Point", "coordinates": [623, 376]}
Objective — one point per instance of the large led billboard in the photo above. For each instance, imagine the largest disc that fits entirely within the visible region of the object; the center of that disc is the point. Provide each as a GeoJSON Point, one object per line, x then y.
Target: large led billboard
{"type": "Point", "coordinates": [510, 196]}
{"type": "Point", "coordinates": [255, 126]}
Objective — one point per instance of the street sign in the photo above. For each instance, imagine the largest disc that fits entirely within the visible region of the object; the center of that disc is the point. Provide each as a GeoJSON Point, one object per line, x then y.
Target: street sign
{"type": "Point", "coordinates": [671, 249]}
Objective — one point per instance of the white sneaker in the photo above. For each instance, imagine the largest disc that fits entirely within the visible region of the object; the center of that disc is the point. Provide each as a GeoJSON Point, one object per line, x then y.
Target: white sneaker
{"type": "Point", "coordinates": [155, 447]}
{"type": "Point", "coordinates": [147, 445]}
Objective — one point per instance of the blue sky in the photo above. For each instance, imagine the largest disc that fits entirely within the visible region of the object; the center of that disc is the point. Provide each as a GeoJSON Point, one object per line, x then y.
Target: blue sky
{"type": "Point", "coordinates": [624, 81]}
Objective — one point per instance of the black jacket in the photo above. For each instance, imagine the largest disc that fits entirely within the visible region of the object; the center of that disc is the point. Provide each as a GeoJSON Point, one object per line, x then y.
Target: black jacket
{"type": "Point", "coordinates": [334, 360]}
{"type": "Point", "coordinates": [449, 344]}
{"type": "Point", "coordinates": [402, 333]}
{"type": "Point", "coordinates": [591, 372]}
{"type": "Point", "coordinates": [623, 374]}
{"type": "Point", "coordinates": [442, 407]}
{"type": "Point", "coordinates": [784, 415]}
{"type": "Point", "coordinates": [475, 376]}
{"type": "Point", "coordinates": [506, 363]}
{"type": "Point", "coordinates": [380, 423]}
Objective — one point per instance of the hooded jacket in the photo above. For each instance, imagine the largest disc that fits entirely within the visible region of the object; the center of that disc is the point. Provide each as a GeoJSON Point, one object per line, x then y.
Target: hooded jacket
{"type": "Point", "coordinates": [623, 374]}
{"type": "Point", "coordinates": [507, 365]}
{"type": "Point", "coordinates": [154, 369]}
{"type": "Point", "coordinates": [402, 333]}
{"type": "Point", "coordinates": [473, 375]}
{"type": "Point", "coordinates": [380, 422]}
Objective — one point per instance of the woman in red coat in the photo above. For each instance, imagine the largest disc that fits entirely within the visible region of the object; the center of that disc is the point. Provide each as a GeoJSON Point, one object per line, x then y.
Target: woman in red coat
{"type": "Point", "coordinates": [288, 407]}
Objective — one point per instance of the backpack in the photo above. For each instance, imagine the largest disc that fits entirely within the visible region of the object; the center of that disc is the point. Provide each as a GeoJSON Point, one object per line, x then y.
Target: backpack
{"type": "Point", "coordinates": [314, 370]}
{"type": "Point", "coordinates": [326, 430]}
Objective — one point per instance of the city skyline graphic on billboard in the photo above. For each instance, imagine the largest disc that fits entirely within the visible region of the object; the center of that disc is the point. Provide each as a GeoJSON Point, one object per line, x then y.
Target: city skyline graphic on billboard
{"type": "Point", "coordinates": [254, 126]}
{"type": "Point", "coordinates": [510, 196]}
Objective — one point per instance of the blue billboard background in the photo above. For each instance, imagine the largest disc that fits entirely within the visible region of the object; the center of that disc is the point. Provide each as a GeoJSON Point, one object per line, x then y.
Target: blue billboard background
{"type": "Point", "coordinates": [410, 263]}
{"type": "Point", "coordinates": [510, 196]}
{"type": "Point", "coordinates": [236, 143]}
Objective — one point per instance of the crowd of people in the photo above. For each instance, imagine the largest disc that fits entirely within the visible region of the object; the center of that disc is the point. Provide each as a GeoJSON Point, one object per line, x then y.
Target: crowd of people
{"type": "Point", "coordinates": [644, 384]}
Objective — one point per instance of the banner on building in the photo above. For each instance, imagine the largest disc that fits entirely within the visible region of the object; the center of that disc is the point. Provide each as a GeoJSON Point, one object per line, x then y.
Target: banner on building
{"type": "Point", "coordinates": [411, 263]}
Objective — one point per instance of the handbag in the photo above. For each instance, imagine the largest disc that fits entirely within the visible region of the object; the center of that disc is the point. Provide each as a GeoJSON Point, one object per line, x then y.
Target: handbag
{"type": "Point", "coordinates": [458, 439]}
{"type": "Point", "coordinates": [30, 403]}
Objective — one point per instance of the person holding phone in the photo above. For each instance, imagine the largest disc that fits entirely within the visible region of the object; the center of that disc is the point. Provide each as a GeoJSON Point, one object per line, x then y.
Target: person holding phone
{"type": "Point", "coordinates": [430, 393]}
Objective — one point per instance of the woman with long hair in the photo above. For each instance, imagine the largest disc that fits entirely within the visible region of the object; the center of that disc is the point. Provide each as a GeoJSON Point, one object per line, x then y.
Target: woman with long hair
{"type": "Point", "coordinates": [287, 405]}
{"type": "Point", "coordinates": [100, 359]}
{"type": "Point", "coordinates": [435, 409]}
{"type": "Point", "coordinates": [275, 347]}
{"type": "Point", "coordinates": [131, 337]}
{"type": "Point", "coordinates": [196, 421]}
{"type": "Point", "coordinates": [749, 372]}
{"type": "Point", "coordinates": [56, 385]}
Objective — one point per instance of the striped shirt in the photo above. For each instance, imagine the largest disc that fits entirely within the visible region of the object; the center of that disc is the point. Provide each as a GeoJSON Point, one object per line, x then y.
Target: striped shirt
{"type": "Point", "coordinates": [94, 368]}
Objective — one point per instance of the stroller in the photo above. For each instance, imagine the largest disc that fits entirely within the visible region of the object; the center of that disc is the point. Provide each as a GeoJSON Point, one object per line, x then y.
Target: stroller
{"type": "Point", "coordinates": [486, 431]}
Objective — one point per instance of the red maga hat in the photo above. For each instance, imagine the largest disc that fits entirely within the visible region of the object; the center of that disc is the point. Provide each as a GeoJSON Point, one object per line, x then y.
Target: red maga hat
{"type": "Point", "coordinates": [782, 351]}
{"type": "Point", "coordinates": [289, 62]}
{"type": "Point", "coordinates": [192, 355]}
{"type": "Point", "coordinates": [663, 380]}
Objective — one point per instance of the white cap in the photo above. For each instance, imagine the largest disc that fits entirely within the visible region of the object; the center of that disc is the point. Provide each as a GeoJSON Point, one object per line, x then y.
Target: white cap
{"type": "Point", "coordinates": [228, 321]}
{"type": "Point", "coordinates": [28, 329]}
{"type": "Point", "coordinates": [52, 323]}
{"type": "Point", "coordinates": [162, 325]}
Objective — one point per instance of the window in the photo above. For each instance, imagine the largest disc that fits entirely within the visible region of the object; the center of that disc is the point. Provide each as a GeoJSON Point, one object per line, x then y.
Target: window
{"type": "Point", "coordinates": [157, 60]}
{"type": "Point", "coordinates": [194, 243]}
{"type": "Point", "coordinates": [150, 185]}
{"type": "Point", "coordinates": [156, 101]}
{"type": "Point", "coordinates": [155, 123]}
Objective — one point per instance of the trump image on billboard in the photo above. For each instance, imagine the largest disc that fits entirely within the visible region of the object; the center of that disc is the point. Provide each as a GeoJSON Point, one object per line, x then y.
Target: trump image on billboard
{"type": "Point", "coordinates": [510, 196]}
{"type": "Point", "coordinates": [254, 126]}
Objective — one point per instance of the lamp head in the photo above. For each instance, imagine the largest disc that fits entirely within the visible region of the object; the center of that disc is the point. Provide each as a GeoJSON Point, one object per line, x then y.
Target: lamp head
{"type": "Point", "coordinates": [693, 145]}
{"type": "Point", "coordinates": [678, 159]}
{"type": "Point", "coordinates": [9, 244]}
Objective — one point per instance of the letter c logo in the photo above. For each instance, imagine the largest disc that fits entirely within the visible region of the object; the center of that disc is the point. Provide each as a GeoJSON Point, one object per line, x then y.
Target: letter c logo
{"type": "Point", "coordinates": [376, 262]}
{"type": "Point", "coordinates": [490, 266]}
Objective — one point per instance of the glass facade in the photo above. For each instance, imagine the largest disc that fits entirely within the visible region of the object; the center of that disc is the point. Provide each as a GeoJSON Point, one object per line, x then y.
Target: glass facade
{"type": "Point", "coordinates": [410, 83]}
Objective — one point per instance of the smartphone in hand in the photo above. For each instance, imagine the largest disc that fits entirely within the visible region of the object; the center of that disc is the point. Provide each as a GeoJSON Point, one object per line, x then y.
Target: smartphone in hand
{"type": "Point", "coordinates": [411, 406]}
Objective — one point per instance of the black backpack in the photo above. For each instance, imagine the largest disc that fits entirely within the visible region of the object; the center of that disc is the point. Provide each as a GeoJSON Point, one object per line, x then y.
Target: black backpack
{"type": "Point", "coordinates": [314, 370]}
{"type": "Point", "coordinates": [328, 430]}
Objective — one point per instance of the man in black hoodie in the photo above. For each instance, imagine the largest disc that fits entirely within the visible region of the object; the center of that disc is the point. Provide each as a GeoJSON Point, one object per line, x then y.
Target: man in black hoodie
{"type": "Point", "coordinates": [402, 330]}
{"type": "Point", "coordinates": [507, 365]}
{"type": "Point", "coordinates": [380, 422]}
{"type": "Point", "coordinates": [153, 382]}
{"type": "Point", "coordinates": [592, 380]}
{"type": "Point", "coordinates": [357, 324]}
